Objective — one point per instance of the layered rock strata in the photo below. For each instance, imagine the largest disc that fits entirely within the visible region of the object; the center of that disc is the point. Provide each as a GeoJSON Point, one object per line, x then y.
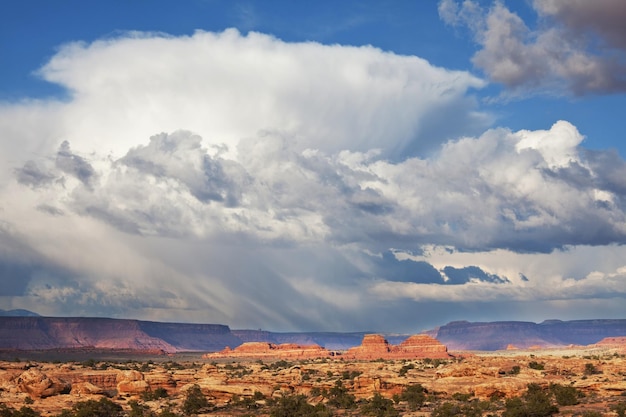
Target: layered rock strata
{"type": "Point", "coordinates": [259, 350]}
{"type": "Point", "coordinates": [375, 346]}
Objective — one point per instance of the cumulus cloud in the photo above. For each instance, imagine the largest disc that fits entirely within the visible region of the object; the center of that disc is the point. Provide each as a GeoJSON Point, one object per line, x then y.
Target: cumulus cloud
{"type": "Point", "coordinates": [578, 46]}
{"type": "Point", "coordinates": [253, 182]}
{"type": "Point", "coordinates": [225, 86]}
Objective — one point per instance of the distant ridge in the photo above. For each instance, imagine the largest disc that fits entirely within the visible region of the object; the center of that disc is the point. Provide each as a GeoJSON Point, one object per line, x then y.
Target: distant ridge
{"type": "Point", "coordinates": [18, 313]}
{"type": "Point", "coordinates": [463, 335]}
{"type": "Point", "coordinates": [50, 333]}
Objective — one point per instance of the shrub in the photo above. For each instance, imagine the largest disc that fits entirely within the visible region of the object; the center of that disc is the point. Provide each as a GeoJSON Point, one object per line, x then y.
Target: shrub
{"type": "Point", "coordinates": [461, 397]}
{"type": "Point", "coordinates": [515, 370]}
{"type": "Point", "coordinates": [619, 408]}
{"type": "Point", "coordinates": [565, 395]}
{"type": "Point", "coordinates": [154, 395]}
{"type": "Point", "coordinates": [379, 406]}
{"type": "Point", "coordinates": [405, 369]}
{"type": "Point", "coordinates": [296, 405]}
{"type": "Point", "coordinates": [535, 403]}
{"type": "Point", "coordinates": [92, 408]}
{"type": "Point", "coordinates": [195, 401]}
{"type": "Point", "coordinates": [536, 365]}
{"type": "Point", "coordinates": [139, 410]}
{"type": "Point", "coordinates": [414, 395]}
{"type": "Point", "coordinates": [590, 369]}
{"type": "Point", "coordinates": [6, 411]}
{"type": "Point", "coordinates": [339, 397]}
{"type": "Point", "coordinates": [447, 410]}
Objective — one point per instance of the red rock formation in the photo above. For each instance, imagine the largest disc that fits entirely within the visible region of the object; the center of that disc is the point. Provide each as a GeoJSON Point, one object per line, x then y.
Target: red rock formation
{"type": "Point", "coordinates": [618, 343]}
{"type": "Point", "coordinates": [375, 346]}
{"type": "Point", "coordinates": [271, 350]}
{"type": "Point", "coordinates": [38, 384]}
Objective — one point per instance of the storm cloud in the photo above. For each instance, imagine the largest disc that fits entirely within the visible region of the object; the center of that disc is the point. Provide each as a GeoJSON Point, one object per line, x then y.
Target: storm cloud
{"type": "Point", "coordinates": [577, 47]}
{"type": "Point", "coordinates": [253, 182]}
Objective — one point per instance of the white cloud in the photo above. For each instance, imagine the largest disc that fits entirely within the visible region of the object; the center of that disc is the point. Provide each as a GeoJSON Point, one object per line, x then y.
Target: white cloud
{"type": "Point", "coordinates": [245, 180]}
{"type": "Point", "coordinates": [226, 86]}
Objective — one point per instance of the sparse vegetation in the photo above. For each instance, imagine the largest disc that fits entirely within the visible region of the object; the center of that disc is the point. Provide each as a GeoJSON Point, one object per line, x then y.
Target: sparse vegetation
{"type": "Point", "coordinates": [565, 395]}
{"type": "Point", "coordinates": [414, 395]}
{"type": "Point", "coordinates": [341, 389]}
{"type": "Point", "coordinates": [297, 405]}
{"type": "Point", "coordinates": [534, 403]}
{"type": "Point", "coordinates": [195, 401]}
{"type": "Point", "coordinates": [590, 369]}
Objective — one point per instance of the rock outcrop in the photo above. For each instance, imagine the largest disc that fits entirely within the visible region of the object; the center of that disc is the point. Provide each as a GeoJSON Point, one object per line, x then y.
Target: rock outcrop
{"type": "Point", "coordinates": [37, 384]}
{"type": "Point", "coordinates": [272, 351]}
{"type": "Point", "coordinates": [375, 346]}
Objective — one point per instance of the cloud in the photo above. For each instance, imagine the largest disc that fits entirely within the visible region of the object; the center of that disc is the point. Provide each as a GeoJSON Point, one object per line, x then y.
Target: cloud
{"type": "Point", "coordinates": [73, 164]}
{"type": "Point", "coordinates": [258, 183]}
{"type": "Point", "coordinates": [225, 86]}
{"type": "Point", "coordinates": [579, 47]}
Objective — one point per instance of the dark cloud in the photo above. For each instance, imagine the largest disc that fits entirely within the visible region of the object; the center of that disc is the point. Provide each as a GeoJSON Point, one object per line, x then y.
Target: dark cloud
{"type": "Point", "coordinates": [55, 211]}
{"type": "Point", "coordinates": [580, 48]}
{"type": "Point", "coordinates": [31, 174]}
{"type": "Point", "coordinates": [391, 268]}
{"type": "Point", "coordinates": [406, 270]}
{"type": "Point", "coordinates": [610, 171]}
{"type": "Point", "coordinates": [180, 156]}
{"type": "Point", "coordinates": [20, 266]}
{"type": "Point", "coordinates": [605, 18]}
{"type": "Point", "coordinates": [459, 276]}
{"type": "Point", "coordinates": [73, 164]}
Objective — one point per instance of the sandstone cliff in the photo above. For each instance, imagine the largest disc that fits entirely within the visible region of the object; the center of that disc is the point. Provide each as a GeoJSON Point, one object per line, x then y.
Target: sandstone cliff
{"type": "Point", "coordinates": [263, 350]}
{"type": "Point", "coordinates": [375, 346]}
{"type": "Point", "coordinates": [42, 333]}
{"type": "Point", "coordinates": [463, 335]}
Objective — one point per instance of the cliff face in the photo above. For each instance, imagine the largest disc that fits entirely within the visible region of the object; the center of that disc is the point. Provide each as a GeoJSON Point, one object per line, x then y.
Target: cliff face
{"type": "Point", "coordinates": [375, 346]}
{"type": "Point", "coordinates": [41, 333]}
{"type": "Point", "coordinates": [263, 350]}
{"type": "Point", "coordinates": [498, 335]}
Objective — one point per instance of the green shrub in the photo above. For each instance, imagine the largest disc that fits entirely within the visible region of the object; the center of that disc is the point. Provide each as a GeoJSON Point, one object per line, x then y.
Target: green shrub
{"type": "Point", "coordinates": [296, 405]}
{"type": "Point", "coordinates": [590, 369]}
{"type": "Point", "coordinates": [6, 411]}
{"type": "Point", "coordinates": [565, 395]}
{"type": "Point", "coordinates": [515, 370]}
{"type": "Point", "coordinates": [414, 395]}
{"type": "Point", "coordinates": [139, 410]}
{"type": "Point", "coordinates": [447, 409]}
{"type": "Point", "coordinates": [195, 401]}
{"type": "Point", "coordinates": [405, 369]}
{"type": "Point", "coordinates": [154, 395]}
{"type": "Point", "coordinates": [534, 403]}
{"type": "Point", "coordinates": [92, 408]}
{"type": "Point", "coordinates": [339, 397]}
{"type": "Point", "coordinates": [379, 406]}
{"type": "Point", "coordinates": [619, 408]}
{"type": "Point", "coordinates": [536, 365]}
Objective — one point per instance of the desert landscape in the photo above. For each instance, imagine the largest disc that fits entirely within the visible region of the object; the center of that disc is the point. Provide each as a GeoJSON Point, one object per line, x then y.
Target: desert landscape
{"type": "Point", "coordinates": [417, 377]}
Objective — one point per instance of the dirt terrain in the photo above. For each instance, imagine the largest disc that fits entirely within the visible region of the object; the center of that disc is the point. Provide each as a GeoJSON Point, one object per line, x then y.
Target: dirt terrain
{"type": "Point", "coordinates": [469, 381]}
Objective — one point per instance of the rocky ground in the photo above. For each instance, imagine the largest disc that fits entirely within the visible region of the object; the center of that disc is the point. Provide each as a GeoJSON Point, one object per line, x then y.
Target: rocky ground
{"type": "Point", "coordinates": [460, 385]}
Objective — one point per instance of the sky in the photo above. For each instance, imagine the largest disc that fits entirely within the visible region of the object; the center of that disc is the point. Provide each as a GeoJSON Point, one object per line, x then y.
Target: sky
{"type": "Point", "coordinates": [314, 166]}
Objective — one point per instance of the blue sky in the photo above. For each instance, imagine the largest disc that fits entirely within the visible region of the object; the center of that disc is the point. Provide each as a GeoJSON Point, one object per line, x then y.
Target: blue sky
{"type": "Point", "coordinates": [379, 165]}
